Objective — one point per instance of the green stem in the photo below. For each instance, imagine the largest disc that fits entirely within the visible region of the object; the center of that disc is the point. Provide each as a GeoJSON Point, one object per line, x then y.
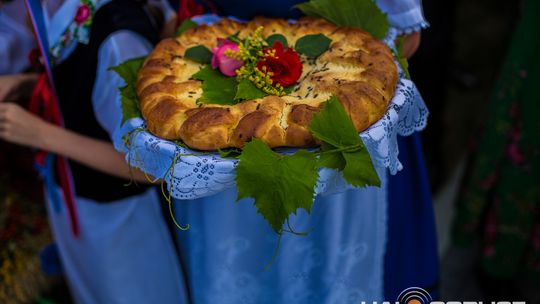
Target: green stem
{"type": "Point", "coordinates": [291, 230]}
{"type": "Point", "coordinates": [127, 142]}
{"type": "Point", "coordinates": [349, 149]}
{"type": "Point", "coordinates": [169, 190]}
{"type": "Point", "coordinates": [274, 256]}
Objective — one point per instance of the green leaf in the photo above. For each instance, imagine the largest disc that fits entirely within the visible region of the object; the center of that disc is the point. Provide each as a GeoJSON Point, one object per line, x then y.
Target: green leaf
{"type": "Point", "coordinates": [279, 184]}
{"type": "Point", "coordinates": [342, 147]}
{"type": "Point", "coordinates": [333, 126]}
{"type": "Point", "coordinates": [231, 153]}
{"type": "Point", "coordinates": [277, 37]}
{"type": "Point", "coordinates": [217, 88]}
{"type": "Point", "coordinates": [128, 70]}
{"type": "Point", "coordinates": [288, 90]}
{"type": "Point", "coordinates": [182, 144]}
{"type": "Point", "coordinates": [313, 45]}
{"type": "Point", "coordinates": [186, 25]}
{"type": "Point", "coordinates": [234, 38]}
{"type": "Point", "coordinates": [199, 53]}
{"type": "Point", "coordinates": [359, 170]}
{"type": "Point", "coordinates": [402, 60]}
{"type": "Point", "coordinates": [362, 14]}
{"type": "Point", "coordinates": [329, 159]}
{"type": "Point", "coordinates": [247, 90]}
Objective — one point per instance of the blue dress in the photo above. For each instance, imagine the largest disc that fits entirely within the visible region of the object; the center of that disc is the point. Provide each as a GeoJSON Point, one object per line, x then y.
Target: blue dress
{"type": "Point", "coordinates": [361, 246]}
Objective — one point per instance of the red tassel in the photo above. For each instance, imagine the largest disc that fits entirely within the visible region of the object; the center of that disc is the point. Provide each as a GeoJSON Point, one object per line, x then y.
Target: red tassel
{"type": "Point", "coordinates": [44, 104]}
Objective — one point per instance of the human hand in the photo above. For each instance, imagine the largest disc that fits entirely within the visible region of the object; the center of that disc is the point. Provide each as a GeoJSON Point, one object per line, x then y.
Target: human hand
{"type": "Point", "coordinates": [169, 28]}
{"type": "Point", "coordinates": [17, 86]}
{"type": "Point", "coordinates": [19, 126]}
{"type": "Point", "coordinates": [411, 44]}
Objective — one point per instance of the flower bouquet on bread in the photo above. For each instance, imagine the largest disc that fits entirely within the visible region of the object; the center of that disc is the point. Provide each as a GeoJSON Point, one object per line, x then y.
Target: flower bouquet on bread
{"type": "Point", "coordinates": [243, 89]}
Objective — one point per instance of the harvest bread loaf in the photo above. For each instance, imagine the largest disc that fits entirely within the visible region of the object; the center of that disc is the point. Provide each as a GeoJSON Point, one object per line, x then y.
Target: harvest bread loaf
{"type": "Point", "coordinates": [356, 68]}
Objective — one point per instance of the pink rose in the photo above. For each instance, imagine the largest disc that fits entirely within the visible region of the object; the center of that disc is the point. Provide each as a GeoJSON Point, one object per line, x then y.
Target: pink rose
{"type": "Point", "coordinates": [83, 13]}
{"type": "Point", "coordinates": [226, 65]}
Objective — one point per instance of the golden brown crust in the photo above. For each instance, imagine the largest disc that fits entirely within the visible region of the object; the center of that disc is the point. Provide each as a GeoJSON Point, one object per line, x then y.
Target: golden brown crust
{"type": "Point", "coordinates": [357, 68]}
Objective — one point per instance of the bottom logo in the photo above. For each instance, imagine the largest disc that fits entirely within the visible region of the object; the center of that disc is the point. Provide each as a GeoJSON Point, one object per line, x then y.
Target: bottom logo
{"type": "Point", "coordinates": [417, 295]}
{"type": "Point", "coordinates": [414, 295]}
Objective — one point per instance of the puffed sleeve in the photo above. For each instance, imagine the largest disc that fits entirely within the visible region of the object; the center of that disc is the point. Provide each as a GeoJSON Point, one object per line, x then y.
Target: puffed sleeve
{"type": "Point", "coordinates": [405, 15]}
{"type": "Point", "coordinates": [117, 48]}
{"type": "Point", "coordinates": [16, 40]}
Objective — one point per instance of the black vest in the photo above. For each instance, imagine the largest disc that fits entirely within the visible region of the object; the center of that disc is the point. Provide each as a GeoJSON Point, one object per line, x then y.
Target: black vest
{"type": "Point", "coordinates": [74, 80]}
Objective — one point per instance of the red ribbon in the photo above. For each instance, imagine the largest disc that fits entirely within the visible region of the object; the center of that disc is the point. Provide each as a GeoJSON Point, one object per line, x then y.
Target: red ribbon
{"type": "Point", "coordinates": [44, 104]}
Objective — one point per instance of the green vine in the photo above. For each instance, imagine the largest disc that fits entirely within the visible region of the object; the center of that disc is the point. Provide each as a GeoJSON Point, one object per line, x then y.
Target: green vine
{"type": "Point", "coordinates": [167, 195]}
{"type": "Point", "coordinates": [131, 137]}
{"type": "Point", "coordinates": [127, 139]}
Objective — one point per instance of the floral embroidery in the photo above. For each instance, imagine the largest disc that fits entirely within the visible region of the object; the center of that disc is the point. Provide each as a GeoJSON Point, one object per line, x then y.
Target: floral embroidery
{"type": "Point", "coordinates": [83, 14]}
{"type": "Point", "coordinates": [78, 30]}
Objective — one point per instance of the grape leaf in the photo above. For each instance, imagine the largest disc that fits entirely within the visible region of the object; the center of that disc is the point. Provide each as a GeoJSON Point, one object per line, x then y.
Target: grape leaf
{"type": "Point", "coordinates": [199, 53]}
{"type": "Point", "coordinates": [333, 126]}
{"type": "Point", "coordinates": [359, 170]}
{"type": "Point", "coordinates": [247, 90]}
{"type": "Point", "coordinates": [186, 25]}
{"type": "Point", "coordinates": [217, 88]}
{"type": "Point", "coordinates": [182, 144]}
{"type": "Point", "coordinates": [280, 184]}
{"type": "Point", "coordinates": [402, 60]}
{"type": "Point", "coordinates": [277, 37]}
{"type": "Point", "coordinates": [362, 14]}
{"type": "Point", "coordinates": [128, 70]}
{"type": "Point", "coordinates": [342, 149]}
{"type": "Point", "coordinates": [232, 153]}
{"type": "Point", "coordinates": [329, 159]}
{"type": "Point", "coordinates": [312, 45]}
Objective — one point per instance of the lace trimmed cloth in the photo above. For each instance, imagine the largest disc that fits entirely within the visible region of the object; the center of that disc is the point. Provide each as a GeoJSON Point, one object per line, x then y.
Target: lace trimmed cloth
{"type": "Point", "coordinates": [192, 174]}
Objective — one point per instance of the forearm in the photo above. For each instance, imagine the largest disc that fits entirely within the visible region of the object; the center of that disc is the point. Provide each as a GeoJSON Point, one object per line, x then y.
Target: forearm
{"type": "Point", "coordinates": [97, 154]}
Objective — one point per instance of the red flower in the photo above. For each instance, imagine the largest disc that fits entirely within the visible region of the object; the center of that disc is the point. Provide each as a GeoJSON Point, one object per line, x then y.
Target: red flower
{"type": "Point", "coordinates": [83, 13]}
{"type": "Point", "coordinates": [285, 65]}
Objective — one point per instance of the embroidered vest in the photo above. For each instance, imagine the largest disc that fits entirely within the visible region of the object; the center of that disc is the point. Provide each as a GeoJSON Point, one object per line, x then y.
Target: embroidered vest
{"type": "Point", "coordinates": [74, 80]}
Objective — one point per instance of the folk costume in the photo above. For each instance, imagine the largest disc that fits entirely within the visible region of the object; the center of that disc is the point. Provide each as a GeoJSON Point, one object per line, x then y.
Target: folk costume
{"type": "Point", "coordinates": [113, 242]}
{"type": "Point", "coordinates": [363, 244]}
{"type": "Point", "coordinates": [499, 205]}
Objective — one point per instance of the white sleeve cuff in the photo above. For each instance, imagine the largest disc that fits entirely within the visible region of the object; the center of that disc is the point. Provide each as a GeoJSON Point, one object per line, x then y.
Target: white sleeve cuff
{"type": "Point", "coordinates": [409, 21]}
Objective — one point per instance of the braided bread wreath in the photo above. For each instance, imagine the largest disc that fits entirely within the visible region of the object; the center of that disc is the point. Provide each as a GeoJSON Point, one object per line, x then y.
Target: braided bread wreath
{"type": "Point", "coordinates": [357, 68]}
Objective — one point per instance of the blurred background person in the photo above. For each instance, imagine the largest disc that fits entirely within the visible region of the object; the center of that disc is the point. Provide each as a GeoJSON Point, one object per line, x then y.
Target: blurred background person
{"type": "Point", "coordinates": [499, 207]}
{"type": "Point", "coordinates": [23, 226]}
{"type": "Point", "coordinates": [112, 239]}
